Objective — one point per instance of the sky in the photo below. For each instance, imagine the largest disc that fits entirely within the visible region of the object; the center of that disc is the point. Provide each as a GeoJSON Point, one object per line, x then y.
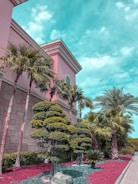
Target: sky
{"type": "Point", "coordinates": [102, 36]}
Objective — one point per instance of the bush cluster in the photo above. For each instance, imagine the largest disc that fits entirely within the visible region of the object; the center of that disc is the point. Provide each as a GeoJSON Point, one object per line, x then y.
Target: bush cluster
{"type": "Point", "coordinates": [127, 150]}
{"type": "Point", "coordinates": [26, 158]}
{"type": "Point", "coordinates": [133, 142]}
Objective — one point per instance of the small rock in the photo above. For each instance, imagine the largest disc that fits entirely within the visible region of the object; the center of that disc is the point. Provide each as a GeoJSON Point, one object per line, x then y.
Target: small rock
{"type": "Point", "coordinates": [60, 178]}
{"type": "Point", "coordinates": [45, 179]}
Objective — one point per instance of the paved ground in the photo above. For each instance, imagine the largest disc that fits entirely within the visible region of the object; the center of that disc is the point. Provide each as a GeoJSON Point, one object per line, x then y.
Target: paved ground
{"type": "Point", "coordinates": [130, 174]}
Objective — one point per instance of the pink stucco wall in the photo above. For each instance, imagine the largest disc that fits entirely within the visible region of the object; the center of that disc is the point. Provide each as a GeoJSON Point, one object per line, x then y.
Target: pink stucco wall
{"type": "Point", "coordinates": [64, 70]}
{"type": "Point", "coordinates": [5, 21]}
{"type": "Point", "coordinates": [17, 39]}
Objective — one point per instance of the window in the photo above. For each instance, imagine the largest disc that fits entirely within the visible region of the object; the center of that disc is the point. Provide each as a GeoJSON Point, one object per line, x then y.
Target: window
{"type": "Point", "coordinates": [67, 80]}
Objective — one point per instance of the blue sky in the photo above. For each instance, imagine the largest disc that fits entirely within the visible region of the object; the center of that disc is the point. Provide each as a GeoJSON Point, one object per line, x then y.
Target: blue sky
{"type": "Point", "coordinates": [102, 35]}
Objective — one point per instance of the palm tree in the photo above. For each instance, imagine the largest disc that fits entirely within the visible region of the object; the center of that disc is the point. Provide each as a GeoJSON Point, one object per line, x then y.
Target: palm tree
{"type": "Point", "coordinates": [115, 99]}
{"type": "Point", "coordinates": [51, 87]}
{"type": "Point", "coordinates": [15, 59]}
{"type": "Point", "coordinates": [82, 103]}
{"type": "Point", "coordinates": [39, 70]}
{"type": "Point", "coordinates": [98, 128]}
{"type": "Point", "coordinates": [70, 93]}
{"type": "Point", "coordinates": [116, 103]}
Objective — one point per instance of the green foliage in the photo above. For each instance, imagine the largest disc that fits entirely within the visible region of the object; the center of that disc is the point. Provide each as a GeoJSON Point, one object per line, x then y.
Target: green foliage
{"type": "Point", "coordinates": [84, 131]}
{"type": "Point", "coordinates": [133, 142]}
{"type": "Point", "coordinates": [54, 113]}
{"type": "Point", "coordinates": [54, 120]}
{"type": "Point", "coordinates": [80, 138]}
{"type": "Point", "coordinates": [39, 134]}
{"type": "Point", "coordinates": [8, 160]}
{"type": "Point", "coordinates": [127, 150]}
{"type": "Point", "coordinates": [56, 108]}
{"type": "Point", "coordinates": [72, 129]}
{"type": "Point", "coordinates": [27, 158]}
{"type": "Point", "coordinates": [55, 159]}
{"type": "Point", "coordinates": [41, 106]}
{"type": "Point", "coordinates": [94, 155]}
{"type": "Point", "coordinates": [57, 126]}
{"type": "Point", "coordinates": [36, 123]}
{"type": "Point", "coordinates": [51, 129]}
{"type": "Point", "coordinates": [40, 116]}
{"type": "Point", "coordinates": [59, 136]}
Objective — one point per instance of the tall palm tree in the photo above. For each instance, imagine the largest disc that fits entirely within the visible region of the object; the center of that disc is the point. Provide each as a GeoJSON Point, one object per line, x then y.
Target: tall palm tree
{"type": "Point", "coordinates": [82, 103]}
{"type": "Point", "coordinates": [39, 70]}
{"type": "Point", "coordinates": [116, 99]}
{"type": "Point", "coordinates": [70, 93]}
{"type": "Point", "coordinates": [15, 59]}
{"type": "Point", "coordinates": [117, 103]}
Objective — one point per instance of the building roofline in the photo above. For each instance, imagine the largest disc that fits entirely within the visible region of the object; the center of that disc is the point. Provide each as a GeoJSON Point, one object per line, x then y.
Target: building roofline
{"type": "Point", "coordinates": [17, 2]}
{"type": "Point", "coordinates": [28, 38]}
{"type": "Point", "coordinates": [58, 46]}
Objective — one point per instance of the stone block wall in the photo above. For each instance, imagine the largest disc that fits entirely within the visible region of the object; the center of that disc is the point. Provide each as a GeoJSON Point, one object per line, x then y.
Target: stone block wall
{"type": "Point", "coordinates": [16, 119]}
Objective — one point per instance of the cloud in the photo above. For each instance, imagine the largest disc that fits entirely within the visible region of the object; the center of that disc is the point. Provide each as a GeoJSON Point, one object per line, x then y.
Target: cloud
{"type": "Point", "coordinates": [40, 17]}
{"type": "Point", "coordinates": [55, 34]}
{"type": "Point", "coordinates": [135, 2]}
{"type": "Point", "coordinates": [132, 16]}
{"type": "Point", "coordinates": [122, 6]}
{"type": "Point", "coordinates": [127, 51]}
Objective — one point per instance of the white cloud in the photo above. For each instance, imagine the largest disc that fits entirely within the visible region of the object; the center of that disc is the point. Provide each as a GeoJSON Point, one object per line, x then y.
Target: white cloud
{"type": "Point", "coordinates": [40, 15]}
{"type": "Point", "coordinates": [55, 34]}
{"type": "Point", "coordinates": [97, 62]}
{"type": "Point", "coordinates": [132, 16]}
{"type": "Point", "coordinates": [120, 5]}
{"type": "Point", "coordinates": [127, 51]}
{"type": "Point", "coordinates": [104, 31]}
{"type": "Point", "coordinates": [135, 1]}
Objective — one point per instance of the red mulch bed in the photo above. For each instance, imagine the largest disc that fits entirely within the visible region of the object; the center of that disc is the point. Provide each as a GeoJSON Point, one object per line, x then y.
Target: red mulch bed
{"type": "Point", "coordinates": [108, 175]}
{"type": "Point", "coordinates": [110, 172]}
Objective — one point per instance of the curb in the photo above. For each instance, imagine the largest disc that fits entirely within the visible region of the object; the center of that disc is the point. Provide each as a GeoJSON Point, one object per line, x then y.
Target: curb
{"type": "Point", "coordinates": [118, 181]}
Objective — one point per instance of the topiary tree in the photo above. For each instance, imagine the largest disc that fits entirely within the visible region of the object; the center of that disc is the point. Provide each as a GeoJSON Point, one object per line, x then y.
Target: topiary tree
{"type": "Point", "coordinates": [50, 127]}
{"type": "Point", "coordinates": [80, 141]}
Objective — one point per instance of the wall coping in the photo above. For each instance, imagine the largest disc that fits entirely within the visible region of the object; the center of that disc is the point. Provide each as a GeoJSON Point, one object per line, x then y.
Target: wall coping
{"type": "Point", "coordinates": [17, 2]}
{"type": "Point", "coordinates": [28, 38]}
{"type": "Point", "coordinates": [59, 47]}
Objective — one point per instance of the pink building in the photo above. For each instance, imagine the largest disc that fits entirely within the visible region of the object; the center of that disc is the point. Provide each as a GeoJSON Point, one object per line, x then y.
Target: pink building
{"type": "Point", "coordinates": [65, 66]}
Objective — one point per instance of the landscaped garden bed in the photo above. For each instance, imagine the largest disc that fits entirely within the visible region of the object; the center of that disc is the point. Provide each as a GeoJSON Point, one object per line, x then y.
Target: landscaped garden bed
{"type": "Point", "coordinates": [106, 172]}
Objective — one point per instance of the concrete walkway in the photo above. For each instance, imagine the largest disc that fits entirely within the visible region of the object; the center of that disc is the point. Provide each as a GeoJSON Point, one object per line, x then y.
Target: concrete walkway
{"type": "Point", "coordinates": [130, 173]}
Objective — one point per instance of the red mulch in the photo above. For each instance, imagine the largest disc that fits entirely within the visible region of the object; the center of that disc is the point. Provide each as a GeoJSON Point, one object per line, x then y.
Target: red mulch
{"type": "Point", "coordinates": [110, 172]}
{"type": "Point", "coordinates": [108, 175]}
{"type": "Point", "coordinates": [22, 173]}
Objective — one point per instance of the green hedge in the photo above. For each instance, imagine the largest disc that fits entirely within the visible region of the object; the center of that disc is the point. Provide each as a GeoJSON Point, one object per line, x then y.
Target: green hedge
{"type": "Point", "coordinates": [133, 142]}
{"type": "Point", "coordinates": [127, 150]}
{"type": "Point", "coordinates": [26, 158]}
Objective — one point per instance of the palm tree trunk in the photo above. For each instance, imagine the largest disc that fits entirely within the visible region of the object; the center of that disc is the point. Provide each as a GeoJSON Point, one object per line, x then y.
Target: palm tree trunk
{"type": "Point", "coordinates": [6, 124]}
{"type": "Point", "coordinates": [114, 148]}
{"type": "Point", "coordinates": [94, 143]}
{"type": "Point", "coordinates": [17, 162]}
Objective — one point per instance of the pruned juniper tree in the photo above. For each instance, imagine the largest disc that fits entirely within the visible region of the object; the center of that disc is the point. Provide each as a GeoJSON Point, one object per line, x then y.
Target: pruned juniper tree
{"type": "Point", "coordinates": [50, 129]}
{"type": "Point", "coordinates": [80, 141]}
